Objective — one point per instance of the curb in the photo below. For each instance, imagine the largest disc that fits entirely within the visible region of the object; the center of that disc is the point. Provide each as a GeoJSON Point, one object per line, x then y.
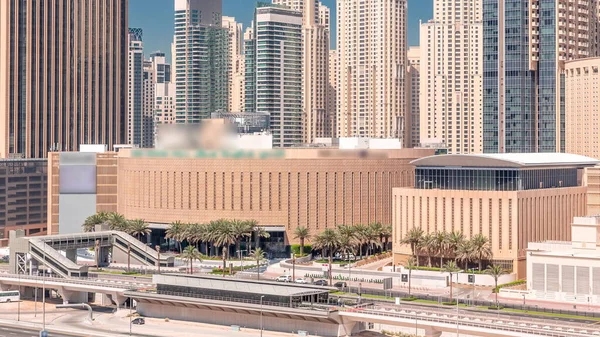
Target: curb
{"type": "Point", "coordinates": [37, 326]}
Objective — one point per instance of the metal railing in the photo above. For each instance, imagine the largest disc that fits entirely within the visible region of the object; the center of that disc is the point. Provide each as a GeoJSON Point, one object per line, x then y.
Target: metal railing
{"type": "Point", "coordinates": [86, 282]}
{"type": "Point", "coordinates": [473, 302]}
{"type": "Point", "coordinates": [496, 326]}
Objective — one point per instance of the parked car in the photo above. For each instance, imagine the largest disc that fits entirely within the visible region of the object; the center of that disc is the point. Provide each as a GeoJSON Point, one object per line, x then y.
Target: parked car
{"type": "Point", "coordinates": [138, 321]}
{"type": "Point", "coordinates": [340, 285]}
{"type": "Point", "coordinates": [301, 280]}
{"type": "Point", "coordinates": [283, 278]}
{"type": "Point", "coordinates": [320, 283]}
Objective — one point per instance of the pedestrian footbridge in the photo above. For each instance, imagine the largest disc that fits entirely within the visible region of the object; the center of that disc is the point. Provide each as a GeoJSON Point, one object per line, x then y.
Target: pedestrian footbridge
{"type": "Point", "coordinates": [28, 253]}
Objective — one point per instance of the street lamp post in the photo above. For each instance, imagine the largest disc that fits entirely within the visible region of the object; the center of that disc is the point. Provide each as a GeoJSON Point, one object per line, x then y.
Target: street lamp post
{"type": "Point", "coordinates": [416, 323]}
{"type": "Point", "coordinates": [130, 313]}
{"type": "Point", "coordinates": [293, 267]}
{"type": "Point", "coordinates": [19, 303]}
{"type": "Point", "coordinates": [241, 260]}
{"type": "Point", "coordinates": [261, 315]}
{"type": "Point", "coordinates": [457, 328]}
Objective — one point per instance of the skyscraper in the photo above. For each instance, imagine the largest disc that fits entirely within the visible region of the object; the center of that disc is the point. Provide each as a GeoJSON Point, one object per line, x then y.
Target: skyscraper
{"type": "Point", "coordinates": [63, 75]}
{"type": "Point", "coordinates": [235, 65]}
{"type": "Point", "coordinates": [274, 71]}
{"type": "Point", "coordinates": [372, 65]}
{"type": "Point", "coordinates": [332, 93]}
{"type": "Point", "coordinates": [200, 60]}
{"type": "Point", "coordinates": [451, 80]}
{"type": "Point", "coordinates": [413, 96]}
{"type": "Point", "coordinates": [135, 87]}
{"type": "Point", "coordinates": [157, 98]}
{"type": "Point", "coordinates": [525, 45]}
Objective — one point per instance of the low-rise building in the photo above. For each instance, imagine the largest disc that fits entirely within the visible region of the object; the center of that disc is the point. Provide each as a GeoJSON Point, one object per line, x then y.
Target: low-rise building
{"type": "Point", "coordinates": [511, 199]}
{"type": "Point", "coordinates": [567, 270]}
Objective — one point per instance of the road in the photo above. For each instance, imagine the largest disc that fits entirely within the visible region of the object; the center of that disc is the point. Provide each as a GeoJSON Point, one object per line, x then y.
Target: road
{"type": "Point", "coordinates": [19, 331]}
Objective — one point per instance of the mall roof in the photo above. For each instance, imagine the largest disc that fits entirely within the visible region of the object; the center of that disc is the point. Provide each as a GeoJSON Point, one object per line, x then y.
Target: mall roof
{"type": "Point", "coordinates": [510, 160]}
{"type": "Point", "coordinates": [240, 286]}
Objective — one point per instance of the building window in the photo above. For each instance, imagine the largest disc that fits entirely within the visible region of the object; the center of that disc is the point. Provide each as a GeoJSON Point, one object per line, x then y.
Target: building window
{"type": "Point", "coordinates": [500, 224]}
{"type": "Point", "coordinates": [510, 224]}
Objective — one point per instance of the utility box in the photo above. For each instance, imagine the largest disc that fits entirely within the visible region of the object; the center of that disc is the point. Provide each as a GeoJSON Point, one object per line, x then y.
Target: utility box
{"type": "Point", "coordinates": [302, 333]}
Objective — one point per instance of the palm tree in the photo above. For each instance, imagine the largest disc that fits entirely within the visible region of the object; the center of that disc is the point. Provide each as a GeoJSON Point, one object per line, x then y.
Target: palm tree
{"type": "Point", "coordinates": [346, 244]}
{"type": "Point", "coordinates": [259, 232]}
{"type": "Point", "coordinates": [117, 222]}
{"type": "Point", "coordinates": [328, 241]}
{"type": "Point", "coordinates": [176, 232]}
{"type": "Point", "coordinates": [241, 230]}
{"type": "Point", "coordinates": [302, 233]}
{"type": "Point", "coordinates": [387, 234]}
{"type": "Point", "coordinates": [377, 229]}
{"type": "Point", "coordinates": [360, 234]}
{"type": "Point", "coordinates": [372, 239]}
{"type": "Point", "coordinates": [137, 228]}
{"type": "Point", "coordinates": [258, 254]}
{"type": "Point", "coordinates": [454, 240]}
{"type": "Point", "coordinates": [451, 268]}
{"type": "Point", "coordinates": [429, 246]}
{"type": "Point", "coordinates": [481, 249]}
{"type": "Point", "coordinates": [89, 225]}
{"type": "Point", "coordinates": [495, 271]}
{"type": "Point", "coordinates": [410, 265]}
{"type": "Point", "coordinates": [464, 253]}
{"type": "Point", "coordinates": [413, 237]}
{"type": "Point", "coordinates": [440, 240]}
{"type": "Point", "coordinates": [190, 253]}
{"type": "Point", "coordinates": [224, 237]}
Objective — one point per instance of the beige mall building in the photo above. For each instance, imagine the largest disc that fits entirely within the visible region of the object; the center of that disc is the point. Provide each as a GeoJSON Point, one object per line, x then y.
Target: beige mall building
{"type": "Point", "coordinates": [512, 199]}
{"type": "Point", "coordinates": [281, 189]}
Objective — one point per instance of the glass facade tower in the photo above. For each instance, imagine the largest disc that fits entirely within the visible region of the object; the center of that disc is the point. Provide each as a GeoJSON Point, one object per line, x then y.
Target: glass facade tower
{"type": "Point", "coordinates": [200, 57]}
{"type": "Point", "coordinates": [526, 43]}
{"type": "Point", "coordinates": [274, 85]}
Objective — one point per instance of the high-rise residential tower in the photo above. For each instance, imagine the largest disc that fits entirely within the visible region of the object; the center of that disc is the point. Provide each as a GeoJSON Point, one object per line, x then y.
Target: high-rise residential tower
{"type": "Point", "coordinates": [200, 60]}
{"type": "Point", "coordinates": [315, 37]}
{"type": "Point", "coordinates": [451, 80]}
{"type": "Point", "coordinates": [525, 46]}
{"type": "Point", "coordinates": [63, 75]}
{"type": "Point", "coordinates": [274, 71]}
{"type": "Point", "coordinates": [157, 79]}
{"type": "Point", "coordinates": [371, 47]}
{"type": "Point", "coordinates": [413, 97]}
{"type": "Point", "coordinates": [332, 93]}
{"type": "Point", "coordinates": [235, 66]}
{"type": "Point", "coordinates": [135, 87]}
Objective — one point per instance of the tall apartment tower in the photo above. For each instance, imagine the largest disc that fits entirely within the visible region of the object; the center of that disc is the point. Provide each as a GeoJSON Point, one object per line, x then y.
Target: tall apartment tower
{"type": "Point", "coordinates": [451, 80]}
{"type": "Point", "coordinates": [63, 75]}
{"type": "Point", "coordinates": [200, 60]}
{"type": "Point", "coordinates": [315, 37]}
{"type": "Point", "coordinates": [235, 65]}
{"type": "Point", "coordinates": [525, 46]}
{"type": "Point", "coordinates": [249, 70]}
{"type": "Point", "coordinates": [274, 71]}
{"type": "Point", "coordinates": [332, 93]}
{"type": "Point", "coordinates": [413, 96]}
{"type": "Point", "coordinates": [372, 66]}
{"type": "Point", "coordinates": [135, 87]}
{"type": "Point", "coordinates": [157, 75]}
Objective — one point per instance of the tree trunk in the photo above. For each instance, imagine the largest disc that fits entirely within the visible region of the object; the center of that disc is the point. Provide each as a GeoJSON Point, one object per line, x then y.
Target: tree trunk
{"type": "Point", "coordinates": [480, 263]}
{"type": "Point", "coordinates": [256, 240]}
{"type": "Point", "coordinates": [497, 291]}
{"type": "Point", "coordinates": [302, 246]}
{"type": "Point", "coordinates": [191, 266]}
{"type": "Point", "coordinates": [441, 261]}
{"type": "Point", "coordinates": [450, 287]}
{"type": "Point", "coordinates": [429, 260]}
{"type": "Point", "coordinates": [238, 245]}
{"type": "Point", "coordinates": [330, 276]}
{"type": "Point", "coordinates": [257, 268]}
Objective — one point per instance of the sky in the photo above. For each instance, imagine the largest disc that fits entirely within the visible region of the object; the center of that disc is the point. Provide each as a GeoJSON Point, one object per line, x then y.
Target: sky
{"type": "Point", "coordinates": [155, 17]}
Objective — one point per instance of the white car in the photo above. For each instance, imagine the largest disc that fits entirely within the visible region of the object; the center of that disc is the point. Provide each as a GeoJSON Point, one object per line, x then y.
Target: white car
{"type": "Point", "coordinates": [301, 280]}
{"type": "Point", "coordinates": [283, 278]}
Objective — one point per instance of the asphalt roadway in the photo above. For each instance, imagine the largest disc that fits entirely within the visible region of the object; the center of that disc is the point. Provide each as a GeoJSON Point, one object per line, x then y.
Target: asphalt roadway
{"type": "Point", "coordinates": [18, 331]}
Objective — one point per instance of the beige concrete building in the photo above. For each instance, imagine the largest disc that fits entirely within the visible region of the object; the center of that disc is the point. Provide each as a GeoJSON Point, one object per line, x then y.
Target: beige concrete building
{"type": "Point", "coordinates": [372, 64]}
{"type": "Point", "coordinates": [63, 75]}
{"type": "Point", "coordinates": [235, 70]}
{"type": "Point", "coordinates": [592, 181]}
{"type": "Point", "coordinates": [332, 92]}
{"type": "Point", "coordinates": [281, 189]}
{"type": "Point", "coordinates": [413, 96]}
{"type": "Point", "coordinates": [582, 112]}
{"type": "Point", "coordinates": [451, 86]}
{"type": "Point", "coordinates": [511, 199]}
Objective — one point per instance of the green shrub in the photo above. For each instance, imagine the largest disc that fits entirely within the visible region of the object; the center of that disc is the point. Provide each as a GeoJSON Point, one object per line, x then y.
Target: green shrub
{"type": "Point", "coordinates": [409, 299]}
{"type": "Point", "coordinates": [509, 284]}
{"type": "Point", "coordinates": [296, 249]}
{"type": "Point", "coordinates": [493, 307]}
{"type": "Point", "coordinates": [449, 303]}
